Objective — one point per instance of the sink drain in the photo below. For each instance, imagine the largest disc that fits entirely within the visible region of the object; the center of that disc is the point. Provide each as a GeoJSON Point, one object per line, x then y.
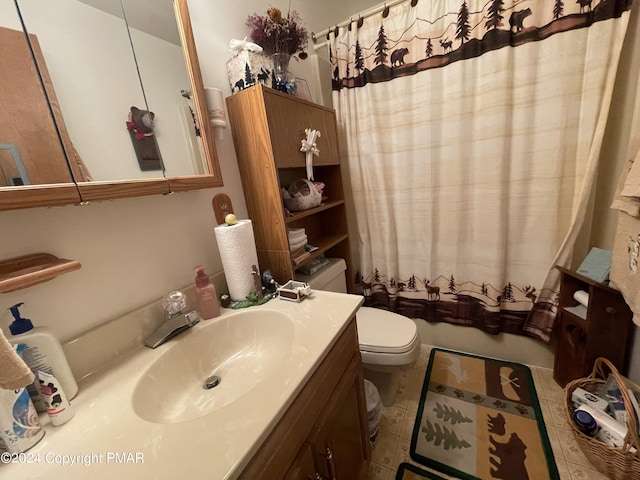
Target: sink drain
{"type": "Point", "coordinates": [212, 381]}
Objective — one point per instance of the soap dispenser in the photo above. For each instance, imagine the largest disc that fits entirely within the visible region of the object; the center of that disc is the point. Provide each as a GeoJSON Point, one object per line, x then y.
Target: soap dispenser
{"type": "Point", "coordinates": [41, 350]}
{"type": "Point", "coordinates": [208, 304]}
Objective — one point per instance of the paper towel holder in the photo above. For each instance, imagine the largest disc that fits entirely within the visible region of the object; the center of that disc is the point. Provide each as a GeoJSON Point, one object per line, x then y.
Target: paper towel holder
{"type": "Point", "coordinates": [222, 207]}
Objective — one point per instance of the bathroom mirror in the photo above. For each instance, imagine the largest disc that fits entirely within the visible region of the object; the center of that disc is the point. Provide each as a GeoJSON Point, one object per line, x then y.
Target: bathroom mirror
{"type": "Point", "coordinates": [106, 73]}
{"type": "Point", "coordinates": [25, 114]}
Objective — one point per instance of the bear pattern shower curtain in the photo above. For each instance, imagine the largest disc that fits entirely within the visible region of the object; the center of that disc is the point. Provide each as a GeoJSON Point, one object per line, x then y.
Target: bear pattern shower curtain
{"type": "Point", "coordinates": [472, 132]}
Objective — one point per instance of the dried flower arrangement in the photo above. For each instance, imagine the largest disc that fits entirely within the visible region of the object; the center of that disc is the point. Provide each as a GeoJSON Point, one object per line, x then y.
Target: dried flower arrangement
{"type": "Point", "coordinates": [278, 34]}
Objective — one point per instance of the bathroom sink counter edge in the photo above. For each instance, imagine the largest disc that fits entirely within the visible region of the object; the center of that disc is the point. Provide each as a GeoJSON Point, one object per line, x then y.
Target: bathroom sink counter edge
{"type": "Point", "coordinates": [107, 438]}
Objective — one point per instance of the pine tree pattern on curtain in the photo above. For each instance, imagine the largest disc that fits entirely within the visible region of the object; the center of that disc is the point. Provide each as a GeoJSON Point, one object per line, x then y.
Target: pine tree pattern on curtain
{"type": "Point", "coordinates": [472, 132]}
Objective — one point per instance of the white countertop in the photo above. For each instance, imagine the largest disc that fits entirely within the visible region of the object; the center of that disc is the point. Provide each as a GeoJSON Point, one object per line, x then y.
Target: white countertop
{"type": "Point", "coordinates": [106, 439]}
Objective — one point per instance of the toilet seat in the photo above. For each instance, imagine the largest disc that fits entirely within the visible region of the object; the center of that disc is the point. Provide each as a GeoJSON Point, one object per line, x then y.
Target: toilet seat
{"type": "Point", "coordinates": [381, 331]}
{"type": "Point", "coordinates": [388, 342]}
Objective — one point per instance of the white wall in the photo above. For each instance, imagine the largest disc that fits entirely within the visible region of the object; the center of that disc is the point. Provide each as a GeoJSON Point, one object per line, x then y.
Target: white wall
{"type": "Point", "coordinates": [93, 70]}
{"type": "Point", "coordinates": [133, 251]}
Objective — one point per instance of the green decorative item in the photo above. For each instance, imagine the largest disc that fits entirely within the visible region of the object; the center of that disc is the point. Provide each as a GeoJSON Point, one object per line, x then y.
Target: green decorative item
{"type": "Point", "coordinates": [252, 300]}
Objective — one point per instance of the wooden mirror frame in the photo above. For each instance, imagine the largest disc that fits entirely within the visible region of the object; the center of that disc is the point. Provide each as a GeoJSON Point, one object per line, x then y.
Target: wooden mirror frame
{"type": "Point", "coordinates": [74, 193]}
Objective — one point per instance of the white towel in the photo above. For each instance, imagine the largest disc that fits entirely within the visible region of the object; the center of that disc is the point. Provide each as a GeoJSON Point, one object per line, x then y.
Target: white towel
{"type": "Point", "coordinates": [298, 244]}
{"type": "Point", "coordinates": [629, 182]}
{"type": "Point", "coordinates": [625, 267]}
{"type": "Point", "coordinates": [297, 238]}
{"type": "Point", "coordinates": [631, 187]}
{"type": "Point", "coordinates": [14, 373]}
{"type": "Point", "coordinates": [295, 235]}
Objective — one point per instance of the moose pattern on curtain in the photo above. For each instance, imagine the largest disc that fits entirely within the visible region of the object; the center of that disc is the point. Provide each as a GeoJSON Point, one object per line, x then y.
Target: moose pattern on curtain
{"type": "Point", "coordinates": [472, 132]}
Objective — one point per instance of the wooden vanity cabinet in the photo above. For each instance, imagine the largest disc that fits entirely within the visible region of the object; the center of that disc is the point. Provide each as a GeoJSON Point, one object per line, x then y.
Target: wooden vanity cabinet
{"type": "Point", "coordinates": [324, 434]}
{"type": "Point", "coordinates": [268, 127]}
{"type": "Point", "coordinates": [337, 438]}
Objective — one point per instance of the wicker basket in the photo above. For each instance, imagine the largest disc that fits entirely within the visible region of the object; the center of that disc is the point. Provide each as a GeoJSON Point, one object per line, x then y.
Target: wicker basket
{"type": "Point", "coordinates": [304, 202]}
{"type": "Point", "coordinates": [616, 463]}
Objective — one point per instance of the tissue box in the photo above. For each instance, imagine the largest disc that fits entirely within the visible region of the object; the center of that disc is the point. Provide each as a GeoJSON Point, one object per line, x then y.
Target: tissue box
{"type": "Point", "coordinates": [247, 68]}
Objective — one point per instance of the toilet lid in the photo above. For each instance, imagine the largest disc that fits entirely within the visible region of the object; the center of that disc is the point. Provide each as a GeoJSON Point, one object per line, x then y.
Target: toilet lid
{"type": "Point", "coordinates": [385, 332]}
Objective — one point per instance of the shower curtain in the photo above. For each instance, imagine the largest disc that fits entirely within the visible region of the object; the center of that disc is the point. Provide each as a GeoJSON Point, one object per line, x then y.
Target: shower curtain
{"type": "Point", "coordinates": [472, 132]}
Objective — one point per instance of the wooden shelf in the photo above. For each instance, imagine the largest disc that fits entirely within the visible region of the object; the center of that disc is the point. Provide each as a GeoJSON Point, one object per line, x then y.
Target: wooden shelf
{"type": "Point", "coordinates": [324, 245]}
{"type": "Point", "coordinates": [312, 211]}
{"type": "Point", "coordinates": [28, 270]}
{"type": "Point", "coordinates": [267, 128]}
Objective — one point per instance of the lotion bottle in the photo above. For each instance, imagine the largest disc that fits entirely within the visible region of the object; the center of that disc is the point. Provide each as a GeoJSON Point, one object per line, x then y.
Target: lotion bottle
{"type": "Point", "coordinates": [206, 294]}
{"type": "Point", "coordinates": [41, 350]}
{"type": "Point", "coordinates": [58, 407]}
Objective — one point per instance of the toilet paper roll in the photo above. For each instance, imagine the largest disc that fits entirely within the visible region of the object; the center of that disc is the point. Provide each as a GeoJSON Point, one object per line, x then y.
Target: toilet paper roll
{"type": "Point", "coordinates": [237, 248]}
{"type": "Point", "coordinates": [582, 297]}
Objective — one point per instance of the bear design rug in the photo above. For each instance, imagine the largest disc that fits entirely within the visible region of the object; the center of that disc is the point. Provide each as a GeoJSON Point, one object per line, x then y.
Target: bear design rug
{"type": "Point", "coordinates": [479, 418]}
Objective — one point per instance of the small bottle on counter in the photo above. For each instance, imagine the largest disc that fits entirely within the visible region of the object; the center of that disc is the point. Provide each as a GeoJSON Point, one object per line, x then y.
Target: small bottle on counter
{"type": "Point", "coordinates": [58, 407]}
{"type": "Point", "coordinates": [206, 294]}
{"type": "Point", "coordinates": [20, 427]}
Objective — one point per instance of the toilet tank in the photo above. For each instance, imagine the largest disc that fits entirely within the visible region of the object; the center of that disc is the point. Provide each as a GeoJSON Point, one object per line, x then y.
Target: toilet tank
{"type": "Point", "coordinates": [331, 278]}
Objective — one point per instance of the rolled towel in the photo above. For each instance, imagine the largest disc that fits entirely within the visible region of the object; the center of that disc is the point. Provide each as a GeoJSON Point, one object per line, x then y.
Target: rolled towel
{"type": "Point", "coordinates": [14, 373]}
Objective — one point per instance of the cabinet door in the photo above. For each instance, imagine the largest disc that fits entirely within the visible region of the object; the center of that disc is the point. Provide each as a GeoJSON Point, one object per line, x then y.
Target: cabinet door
{"type": "Point", "coordinates": [341, 438]}
{"type": "Point", "coordinates": [288, 117]}
{"type": "Point", "coordinates": [303, 467]}
{"type": "Point", "coordinates": [571, 351]}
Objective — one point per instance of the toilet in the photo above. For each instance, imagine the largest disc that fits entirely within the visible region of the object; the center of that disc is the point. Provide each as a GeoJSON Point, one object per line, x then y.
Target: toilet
{"type": "Point", "coordinates": [389, 343]}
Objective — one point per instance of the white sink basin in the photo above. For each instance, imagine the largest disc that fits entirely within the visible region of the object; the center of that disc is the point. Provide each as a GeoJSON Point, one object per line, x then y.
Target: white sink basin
{"type": "Point", "coordinates": [243, 349]}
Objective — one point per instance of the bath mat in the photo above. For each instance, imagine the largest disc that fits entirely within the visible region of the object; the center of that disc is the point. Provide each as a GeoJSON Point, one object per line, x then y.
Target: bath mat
{"type": "Point", "coordinates": [406, 471]}
{"type": "Point", "coordinates": [479, 418]}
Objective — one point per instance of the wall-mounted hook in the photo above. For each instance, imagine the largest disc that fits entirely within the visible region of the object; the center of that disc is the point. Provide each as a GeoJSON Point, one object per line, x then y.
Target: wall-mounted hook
{"type": "Point", "coordinates": [385, 12]}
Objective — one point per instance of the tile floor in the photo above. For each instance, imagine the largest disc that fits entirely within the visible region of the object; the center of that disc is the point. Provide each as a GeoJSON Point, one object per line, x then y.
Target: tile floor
{"type": "Point", "coordinates": [396, 427]}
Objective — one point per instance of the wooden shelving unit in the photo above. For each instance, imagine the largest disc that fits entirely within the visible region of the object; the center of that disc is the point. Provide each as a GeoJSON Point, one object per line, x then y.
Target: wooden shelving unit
{"type": "Point", "coordinates": [312, 211]}
{"type": "Point", "coordinates": [603, 329]}
{"type": "Point", "coordinates": [268, 127]}
{"type": "Point", "coordinates": [28, 270]}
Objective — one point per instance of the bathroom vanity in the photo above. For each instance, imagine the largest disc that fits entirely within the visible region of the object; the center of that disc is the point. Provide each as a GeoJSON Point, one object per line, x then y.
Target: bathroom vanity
{"type": "Point", "coordinates": [325, 431]}
{"type": "Point", "coordinates": [290, 405]}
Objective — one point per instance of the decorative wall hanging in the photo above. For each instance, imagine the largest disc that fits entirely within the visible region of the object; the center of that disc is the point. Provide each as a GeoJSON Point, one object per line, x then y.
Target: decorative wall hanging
{"type": "Point", "coordinates": [140, 126]}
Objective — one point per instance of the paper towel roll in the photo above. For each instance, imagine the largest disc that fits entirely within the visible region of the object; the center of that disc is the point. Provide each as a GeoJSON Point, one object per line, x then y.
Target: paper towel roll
{"type": "Point", "coordinates": [582, 297]}
{"type": "Point", "coordinates": [237, 248]}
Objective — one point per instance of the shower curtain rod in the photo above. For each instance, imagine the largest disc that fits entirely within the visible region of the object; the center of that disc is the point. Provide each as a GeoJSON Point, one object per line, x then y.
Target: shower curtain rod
{"type": "Point", "coordinates": [360, 16]}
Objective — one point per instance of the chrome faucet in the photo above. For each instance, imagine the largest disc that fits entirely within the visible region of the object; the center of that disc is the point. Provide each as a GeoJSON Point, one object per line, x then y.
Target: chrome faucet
{"type": "Point", "coordinates": [176, 321]}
